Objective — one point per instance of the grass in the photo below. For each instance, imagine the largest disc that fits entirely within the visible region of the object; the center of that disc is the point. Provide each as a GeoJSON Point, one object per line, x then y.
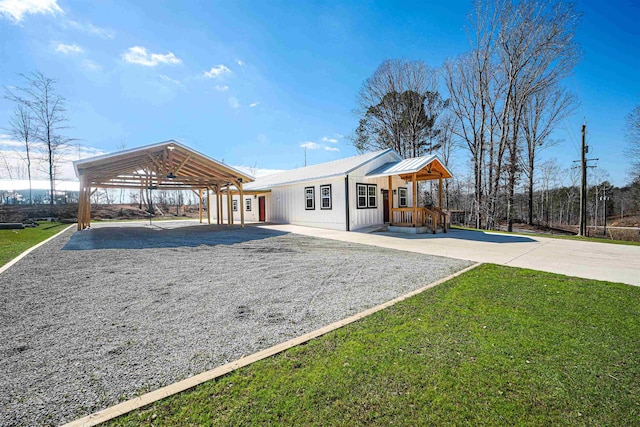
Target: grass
{"type": "Point", "coordinates": [554, 236]}
{"type": "Point", "coordinates": [495, 346]}
{"type": "Point", "coordinates": [14, 242]}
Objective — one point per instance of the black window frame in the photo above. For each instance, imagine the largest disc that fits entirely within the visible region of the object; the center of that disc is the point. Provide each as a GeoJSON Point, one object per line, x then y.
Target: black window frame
{"type": "Point", "coordinates": [247, 204]}
{"type": "Point", "coordinates": [234, 204]}
{"type": "Point", "coordinates": [367, 196]}
{"type": "Point", "coordinates": [313, 199]}
{"type": "Point", "coordinates": [322, 198]}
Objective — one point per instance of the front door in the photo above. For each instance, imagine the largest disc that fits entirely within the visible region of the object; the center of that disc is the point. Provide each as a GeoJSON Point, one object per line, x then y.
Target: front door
{"type": "Point", "coordinates": [261, 210]}
{"type": "Point", "coordinates": [385, 204]}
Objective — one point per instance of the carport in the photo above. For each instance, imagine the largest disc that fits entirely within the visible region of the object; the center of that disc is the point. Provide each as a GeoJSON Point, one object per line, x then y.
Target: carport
{"type": "Point", "coordinates": [166, 165]}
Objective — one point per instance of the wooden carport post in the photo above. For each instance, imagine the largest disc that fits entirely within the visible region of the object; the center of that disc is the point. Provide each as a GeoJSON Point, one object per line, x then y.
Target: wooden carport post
{"type": "Point", "coordinates": [229, 207]}
{"type": "Point", "coordinates": [219, 205]}
{"type": "Point", "coordinates": [80, 203]}
{"type": "Point", "coordinates": [200, 204]}
{"type": "Point", "coordinates": [208, 207]}
{"type": "Point", "coordinates": [241, 203]}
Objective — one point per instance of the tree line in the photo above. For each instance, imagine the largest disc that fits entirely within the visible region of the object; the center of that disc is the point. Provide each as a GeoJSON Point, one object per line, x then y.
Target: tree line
{"type": "Point", "coordinates": [501, 101]}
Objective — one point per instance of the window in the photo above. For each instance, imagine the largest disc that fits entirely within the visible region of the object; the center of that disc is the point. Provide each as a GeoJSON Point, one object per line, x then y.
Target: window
{"type": "Point", "coordinates": [309, 198]}
{"type": "Point", "coordinates": [402, 197]}
{"type": "Point", "coordinates": [373, 202]}
{"type": "Point", "coordinates": [325, 196]}
{"type": "Point", "coordinates": [367, 196]}
{"type": "Point", "coordinates": [247, 205]}
{"type": "Point", "coordinates": [235, 205]}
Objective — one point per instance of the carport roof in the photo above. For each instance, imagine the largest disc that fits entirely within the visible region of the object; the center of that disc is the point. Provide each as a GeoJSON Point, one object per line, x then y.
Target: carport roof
{"type": "Point", "coordinates": [164, 165]}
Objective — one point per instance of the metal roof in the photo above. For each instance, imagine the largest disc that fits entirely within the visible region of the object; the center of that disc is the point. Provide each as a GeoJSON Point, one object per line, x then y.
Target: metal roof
{"type": "Point", "coordinates": [411, 166]}
{"type": "Point", "coordinates": [332, 169]}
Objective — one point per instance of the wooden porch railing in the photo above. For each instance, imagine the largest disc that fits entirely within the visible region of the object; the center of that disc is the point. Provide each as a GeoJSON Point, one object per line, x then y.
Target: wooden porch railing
{"type": "Point", "coordinates": [403, 217]}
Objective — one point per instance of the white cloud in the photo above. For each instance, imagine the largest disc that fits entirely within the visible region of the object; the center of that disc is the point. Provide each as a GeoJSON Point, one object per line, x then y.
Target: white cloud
{"type": "Point", "coordinates": [331, 140]}
{"type": "Point", "coordinates": [254, 104]}
{"type": "Point", "coordinates": [328, 148]}
{"type": "Point", "coordinates": [139, 55]}
{"type": "Point", "coordinates": [233, 102]}
{"type": "Point", "coordinates": [222, 88]}
{"type": "Point", "coordinates": [217, 71]}
{"type": "Point", "coordinates": [310, 145]}
{"type": "Point", "coordinates": [240, 62]}
{"type": "Point", "coordinates": [68, 49]}
{"type": "Point", "coordinates": [170, 80]}
{"type": "Point", "coordinates": [91, 65]}
{"type": "Point", "coordinates": [17, 9]}
{"type": "Point", "coordinates": [89, 28]}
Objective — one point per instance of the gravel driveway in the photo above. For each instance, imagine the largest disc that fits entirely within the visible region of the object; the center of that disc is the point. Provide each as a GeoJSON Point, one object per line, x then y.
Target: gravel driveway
{"type": "Point", "coordinates": [99, 316]}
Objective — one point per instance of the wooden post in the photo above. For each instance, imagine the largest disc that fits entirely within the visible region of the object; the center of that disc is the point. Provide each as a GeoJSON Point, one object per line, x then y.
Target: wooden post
{"type": "Point", "coordinates": [229, 207]}
{"type": "Point", "coordinates": [219, 201]}
{"type": "Point", "coordinates": [390, 200]}
{"type": "Point", "coordinates": [208, 206]}
{"type": "Point", "coordinates": [217, 206]}
{"type": "Point", "coordinates": [80, 203]}
{"type": "Point", "coordinates": [200, 204]}
{"type": "Point", "coordinates": [87, 218]}
{"type": "Point", "coordinates": [241, 204]}
{"type": "Point", "coordinates": [415, 200]}
{"type": "Point", "coordinates": [440, 192]}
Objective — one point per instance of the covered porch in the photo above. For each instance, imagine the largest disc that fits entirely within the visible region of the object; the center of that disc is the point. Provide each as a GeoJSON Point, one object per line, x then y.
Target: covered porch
{"type": "Point", "coordinates": [409, 217]}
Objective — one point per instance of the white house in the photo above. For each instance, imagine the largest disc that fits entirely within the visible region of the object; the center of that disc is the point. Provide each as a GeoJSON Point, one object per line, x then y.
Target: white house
{"type": "Point", "coordinates": [346, 194]}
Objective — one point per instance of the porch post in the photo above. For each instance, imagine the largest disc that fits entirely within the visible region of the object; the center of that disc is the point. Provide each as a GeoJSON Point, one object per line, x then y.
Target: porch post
{"type": "Point", "coordinates": [415, 200]}
{"type": "Point", "coordinates": [219, 205]}
{"type": "Point", "coordinates": [440, 191]}
{"type": "Point", "coordinates": [390, 200]}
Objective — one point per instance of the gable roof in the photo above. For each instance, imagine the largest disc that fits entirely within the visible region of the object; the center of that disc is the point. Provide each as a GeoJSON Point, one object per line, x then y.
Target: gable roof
{"type": "Point", "coordinates": [336, 168]}
{"type": "Point", "coordinates": [166, 164]}
{"type": "Point", "coordinates": [427, 167]}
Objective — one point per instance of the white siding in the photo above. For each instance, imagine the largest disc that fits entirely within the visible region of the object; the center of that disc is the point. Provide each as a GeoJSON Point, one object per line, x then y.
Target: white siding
{"type": "Point", "coordinates": [287, 205]}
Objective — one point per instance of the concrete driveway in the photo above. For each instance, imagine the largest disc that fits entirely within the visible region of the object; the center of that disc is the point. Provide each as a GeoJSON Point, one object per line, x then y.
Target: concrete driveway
{"type": "Point", "coordinates": [590, 260]}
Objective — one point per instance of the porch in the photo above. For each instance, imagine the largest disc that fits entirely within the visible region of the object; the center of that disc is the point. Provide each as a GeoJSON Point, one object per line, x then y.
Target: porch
{"type": "Point", "coordinates": [409, 217]}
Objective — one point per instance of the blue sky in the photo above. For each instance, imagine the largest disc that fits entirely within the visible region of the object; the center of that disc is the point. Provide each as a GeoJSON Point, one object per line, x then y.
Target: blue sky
{"type": "Point", "coordinates": [249, 82]}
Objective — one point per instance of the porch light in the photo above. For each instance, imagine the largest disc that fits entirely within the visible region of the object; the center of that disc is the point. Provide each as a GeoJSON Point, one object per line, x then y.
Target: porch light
{"type": "Point", "coordinates": [170, 175]}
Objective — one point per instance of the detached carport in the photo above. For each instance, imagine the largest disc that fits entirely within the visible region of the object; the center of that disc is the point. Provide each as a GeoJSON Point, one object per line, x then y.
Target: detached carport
{"type": "Point", "coordinates": [166, 165]}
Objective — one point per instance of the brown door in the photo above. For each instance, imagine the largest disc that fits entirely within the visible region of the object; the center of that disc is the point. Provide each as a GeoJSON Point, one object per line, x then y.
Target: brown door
{"type": "Point", "coordinates": [261, 210]}
{"type": "Point", "coordinates": [385, 204]}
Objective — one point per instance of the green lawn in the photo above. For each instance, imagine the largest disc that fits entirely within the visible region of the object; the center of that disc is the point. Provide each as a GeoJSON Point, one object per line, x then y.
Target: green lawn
{"type": "Point", "coordinates": [495, 346]}
{"type": "Point", "coordinates": [555, 236]}
{"type": "Point", "coordinates": [14, 242]}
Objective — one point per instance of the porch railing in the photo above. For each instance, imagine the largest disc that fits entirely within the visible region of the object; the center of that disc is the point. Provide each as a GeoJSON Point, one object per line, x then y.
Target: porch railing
{"type": "Point", "coordinates": [430, 218]}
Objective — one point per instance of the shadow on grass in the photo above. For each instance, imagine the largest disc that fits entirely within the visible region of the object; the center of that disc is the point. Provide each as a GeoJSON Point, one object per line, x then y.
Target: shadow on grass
{"type": "Point", "coordinates": [139, 237]}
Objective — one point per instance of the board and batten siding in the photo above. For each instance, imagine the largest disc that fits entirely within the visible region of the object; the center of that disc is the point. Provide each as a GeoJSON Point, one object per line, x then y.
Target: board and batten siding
{"type": "Point", "coordinates": [287, 205]}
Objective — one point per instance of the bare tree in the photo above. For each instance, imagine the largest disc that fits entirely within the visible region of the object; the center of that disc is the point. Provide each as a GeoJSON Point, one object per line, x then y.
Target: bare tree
{"type": "Point", "coordinates": [398, 108]}
{"type": "Point", "coordinates": [23, 129]}
{"type": "Point", "coordinates": [49, 113]}
{"type": "Point", "coordinates": [542, 112]}
{"type": "Point", "coordinates": [633, 138]}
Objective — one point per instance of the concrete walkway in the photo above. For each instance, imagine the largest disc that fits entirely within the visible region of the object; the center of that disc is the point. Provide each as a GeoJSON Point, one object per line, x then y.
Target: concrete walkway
{"type": "Point", "coordinates": [590, 260]}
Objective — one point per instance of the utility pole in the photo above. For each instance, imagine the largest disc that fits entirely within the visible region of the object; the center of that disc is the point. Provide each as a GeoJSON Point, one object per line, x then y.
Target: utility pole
{"type": "Point", "coordinates": [583, 186]}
